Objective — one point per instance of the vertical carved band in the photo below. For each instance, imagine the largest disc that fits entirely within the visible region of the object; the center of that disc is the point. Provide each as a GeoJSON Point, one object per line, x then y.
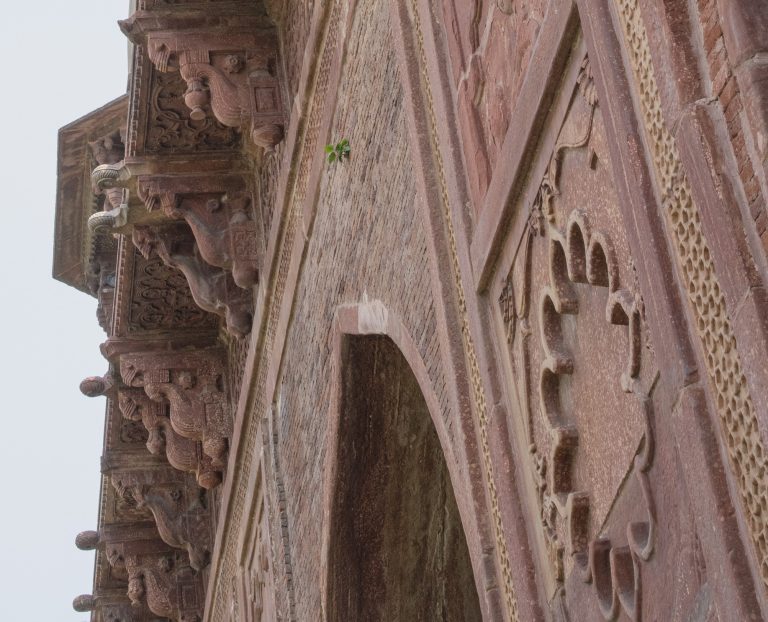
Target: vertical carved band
{"type": "Point", "coordinates": [734, 405]}
{"type": "Point", "coordinates": [328, 49]}
{"type": "Point", "coordinates": [478, 392]}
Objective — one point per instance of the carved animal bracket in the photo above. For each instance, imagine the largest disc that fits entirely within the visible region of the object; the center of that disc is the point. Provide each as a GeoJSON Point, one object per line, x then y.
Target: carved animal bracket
{"type": "Point", "coordinates": [182, 453]}
{"type": "Point", "coordinates": [159, 580]}
{"type": "Point", "coordinates": [159, 577]}
{"type": "Point", "coordinates": [179, 506]}
{"type": "Point", "coordinates": [218, 210]}
{"type": "Point", "coordinates": [193, 384]}
{"type": "Point", "coordinates": [230, 69]}
{"type": "Point", "coordinates": [212, 288]}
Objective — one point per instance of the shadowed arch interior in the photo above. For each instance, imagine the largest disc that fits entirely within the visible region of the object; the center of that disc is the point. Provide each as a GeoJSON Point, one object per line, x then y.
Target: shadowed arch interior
{"type": "Point", "coordinates": [397, 547]}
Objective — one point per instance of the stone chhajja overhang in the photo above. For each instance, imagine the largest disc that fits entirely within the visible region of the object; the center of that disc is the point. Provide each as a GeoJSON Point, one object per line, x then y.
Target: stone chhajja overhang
{"type": "Point", "coordinates": [158, 217]}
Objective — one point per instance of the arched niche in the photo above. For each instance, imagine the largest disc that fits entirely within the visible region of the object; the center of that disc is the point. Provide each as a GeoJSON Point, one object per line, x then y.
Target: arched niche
{"type": "Point", "coordinates": [395, 546]}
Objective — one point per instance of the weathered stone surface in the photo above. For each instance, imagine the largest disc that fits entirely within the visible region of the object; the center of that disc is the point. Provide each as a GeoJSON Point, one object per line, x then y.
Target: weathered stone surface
{"type": "Point", "coordinates": [504, 362]}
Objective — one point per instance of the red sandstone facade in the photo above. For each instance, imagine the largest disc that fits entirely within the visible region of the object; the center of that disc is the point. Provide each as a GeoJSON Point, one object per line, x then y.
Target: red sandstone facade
{"type": "Point", "coordinates": [507, 361]}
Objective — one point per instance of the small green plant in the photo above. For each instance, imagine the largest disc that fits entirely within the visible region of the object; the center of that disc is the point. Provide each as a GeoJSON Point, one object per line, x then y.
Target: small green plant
{"type": "Point", "coordinates": [339, 151]}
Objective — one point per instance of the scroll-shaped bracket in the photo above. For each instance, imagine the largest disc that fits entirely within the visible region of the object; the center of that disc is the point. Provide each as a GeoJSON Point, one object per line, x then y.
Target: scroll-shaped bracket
{"type": "Point", "coordinates": [232, 70]}
{"type": "Point", "coordinates": [193, 384]}
{"type": "Point", "coordinates": [159, 577]}
{"type": "Point", "coordinates": [218, 210]}
{"type": "Point", "coordinates": [183, 454]}
{"type": "Point", "coordinates": [212, 288]}
{"type": "Point", "coordinates": [160, 581]}
{"type": "Point", "coordinates": [179, 506]}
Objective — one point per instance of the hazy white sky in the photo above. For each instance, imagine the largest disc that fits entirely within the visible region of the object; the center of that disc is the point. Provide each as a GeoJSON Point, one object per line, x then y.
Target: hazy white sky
{"type": "Point", "coordinates": [62, 59]}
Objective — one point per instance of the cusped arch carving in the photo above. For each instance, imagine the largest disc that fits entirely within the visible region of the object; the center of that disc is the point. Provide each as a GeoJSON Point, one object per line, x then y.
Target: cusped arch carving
{"type": "Point", "coordinates": [583, 255]}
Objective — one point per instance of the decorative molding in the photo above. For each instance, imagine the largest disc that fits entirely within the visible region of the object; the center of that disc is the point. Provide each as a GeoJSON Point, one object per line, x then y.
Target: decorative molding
{"type": "Point", "coordinates": [330, 44]}
{"type": "Point", "coordinates": [476, 383]}
{"type": "Point", "coordinates": [733, 403]}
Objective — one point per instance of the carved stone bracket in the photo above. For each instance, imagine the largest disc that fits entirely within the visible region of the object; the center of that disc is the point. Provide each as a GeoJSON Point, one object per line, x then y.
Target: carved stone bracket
{"type": "Point", "coordinates": [182, 453]}
{"type": "Point", "coordinates": [218, 210]}
{"type": "Point", "coordinates": [158, 577]}
{"type": "Point", "coordinates": [179, 506]}
{"type": "Point", "coordinates": [212, 288]}
{"type": "Point", "coordinates": [230, 67]}
{"type": "Point", "coordinates": [153, 583]}
{"type": "Point", "coordinates": [193, 384]}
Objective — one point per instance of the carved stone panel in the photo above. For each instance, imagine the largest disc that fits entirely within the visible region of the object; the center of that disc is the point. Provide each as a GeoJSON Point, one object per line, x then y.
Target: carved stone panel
{"type": "Point", "coordinates": [571, 315]}
{"type": "Point", "coordinates": [161, 299]}
{"type": "Point", "coordinates": [170, 127]}
{"type": "Point", "coordinates": [212, 288]}
{"type": "Point", "coordinates": [229, 66]}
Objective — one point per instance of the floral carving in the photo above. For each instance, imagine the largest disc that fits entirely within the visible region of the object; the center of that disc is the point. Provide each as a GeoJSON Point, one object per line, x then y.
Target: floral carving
{"type": "Point", "coordinates": [170, 126]}
{"type": "Point", "coordinates": [213, 289]}
{"type": "Point", "coordinates": [161, 299]}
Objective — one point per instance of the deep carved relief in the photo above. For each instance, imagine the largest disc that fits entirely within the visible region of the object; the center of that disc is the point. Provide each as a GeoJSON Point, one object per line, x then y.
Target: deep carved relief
{"type": "Point", "coordinates": [573, 322]}
{"type": "Point", "coordinates": [232, 69]}
{"type": "Point", "coordinates": [179, 506]}
{"type": "Point", "coordinates": [171, 129]}
{"type": "Point", "coordinates": [193, 384]}
{"type": "Point", "coordinates": [213, 289]}
{"type": "Point", "coordinates": [161, 299]}
{"type": "Point", "coordinates": [182, 453]}
{"type": "Point", "coordinates": [159, 578]}
{"type": "Point", "coordinates": [219, 212]}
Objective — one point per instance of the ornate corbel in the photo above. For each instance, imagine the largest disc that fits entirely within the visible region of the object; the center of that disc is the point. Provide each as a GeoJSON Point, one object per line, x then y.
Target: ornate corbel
{"type": "Point", "coordinates": [218, 210]}
{"type": "Point", "coordinates": [192, 383]}
{"type": "Point", "coordinates": [182, 453]}
{"type": "Point", "coordinates": [156, 580]}
{"type": "Point", "coordinates": [158, 577]}
{"type": "Point", "coordinates": [179, 506]}
{"type": "Point", "coordinates": [212, 288]}
{"type": "Point", "coordinates": [231, 67]}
